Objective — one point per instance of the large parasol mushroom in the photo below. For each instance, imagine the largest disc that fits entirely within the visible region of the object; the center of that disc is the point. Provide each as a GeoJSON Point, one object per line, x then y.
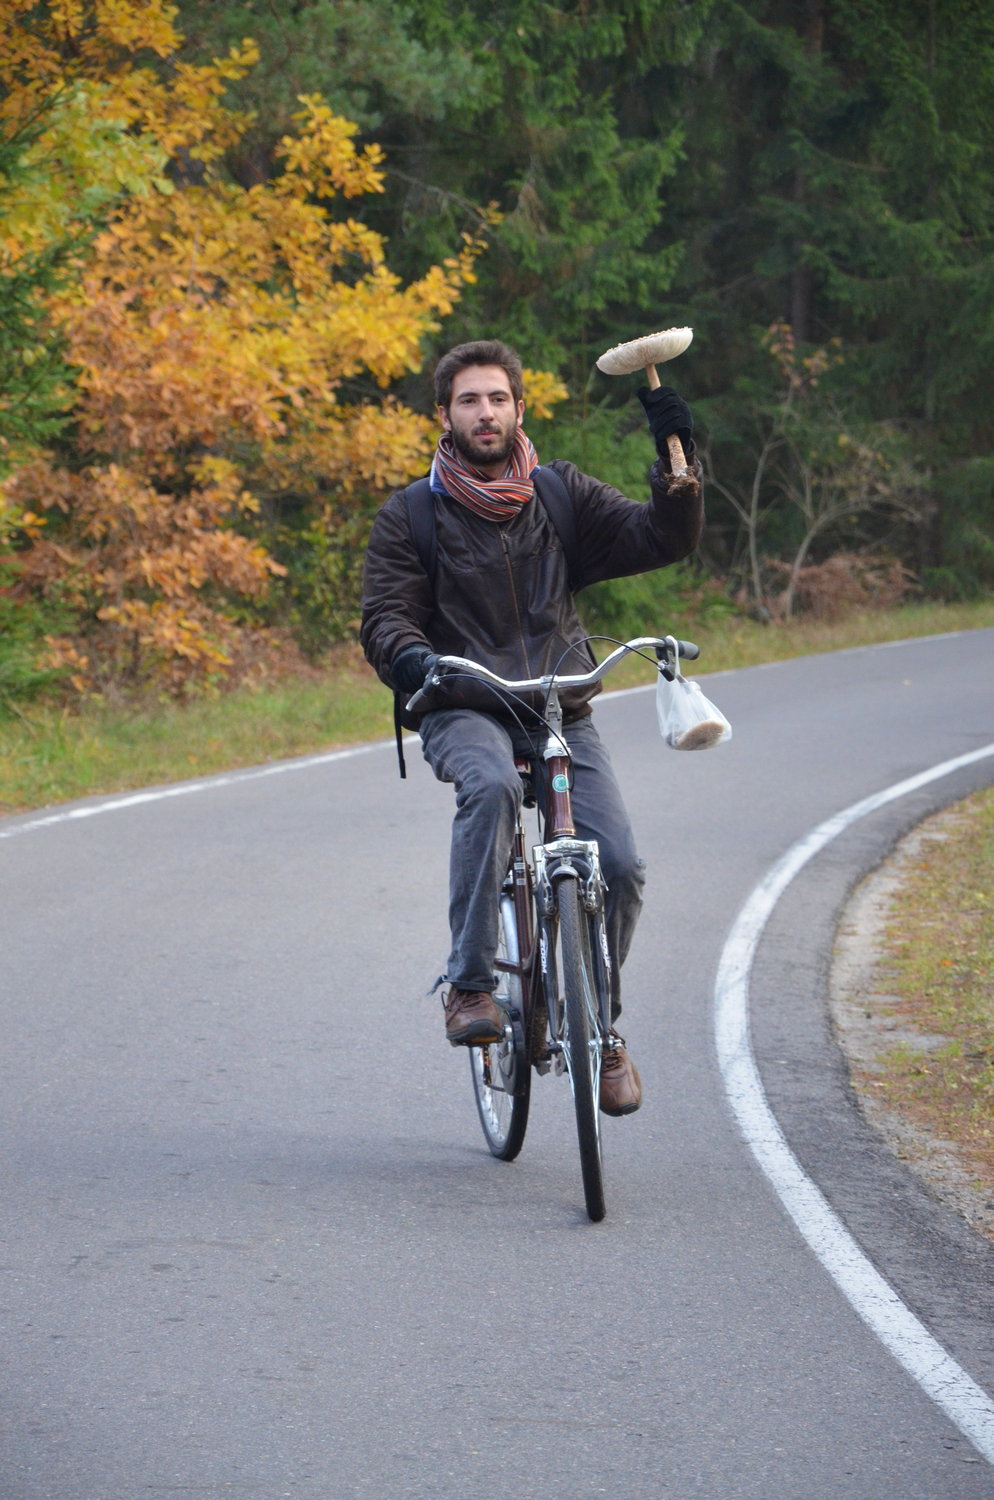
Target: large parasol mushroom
{"type": "Point", "coordinates": [645, 354]}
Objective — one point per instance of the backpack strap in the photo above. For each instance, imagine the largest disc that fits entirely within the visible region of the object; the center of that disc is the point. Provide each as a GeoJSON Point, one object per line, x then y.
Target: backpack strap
{"type": "Point", "coordinates": [421, 520]}
{"type": "Point", "coordinates": [420, 504]}
{"type": "Point", "coordinates": [550, 489]}
{"type": "Point", "coordinates": [398, 731]}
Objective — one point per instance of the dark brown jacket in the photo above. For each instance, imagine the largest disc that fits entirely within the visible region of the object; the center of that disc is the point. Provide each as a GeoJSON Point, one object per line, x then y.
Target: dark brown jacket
{"type": "Point", "coordinates": [502, 593]}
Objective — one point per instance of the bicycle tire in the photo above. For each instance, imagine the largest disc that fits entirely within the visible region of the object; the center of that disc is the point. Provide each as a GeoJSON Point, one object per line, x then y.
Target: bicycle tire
{"type": "Point", "coordinates": [501, 1071]}
{"type": "Point", "coordinates": [579, 1030]}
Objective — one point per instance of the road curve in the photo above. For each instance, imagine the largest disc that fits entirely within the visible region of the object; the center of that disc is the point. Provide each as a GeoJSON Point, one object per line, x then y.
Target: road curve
{"type": "Point", "coordinates": [253, 1241]}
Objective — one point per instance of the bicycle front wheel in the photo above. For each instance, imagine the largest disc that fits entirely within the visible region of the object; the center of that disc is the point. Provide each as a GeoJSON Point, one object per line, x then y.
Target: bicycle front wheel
{"type": "Point", "coordinates": [581, 1039]}
{"type": "Point", "coordinates": [500, 1070]}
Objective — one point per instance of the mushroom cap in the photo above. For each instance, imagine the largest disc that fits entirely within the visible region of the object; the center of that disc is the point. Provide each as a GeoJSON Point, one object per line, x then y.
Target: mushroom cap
{"type": "Point", "coordinates": [653, 349]}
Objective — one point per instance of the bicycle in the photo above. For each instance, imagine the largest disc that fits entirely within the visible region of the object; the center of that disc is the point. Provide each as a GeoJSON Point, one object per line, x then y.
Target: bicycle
{"type": "Point", "coordinates": [553, 963]}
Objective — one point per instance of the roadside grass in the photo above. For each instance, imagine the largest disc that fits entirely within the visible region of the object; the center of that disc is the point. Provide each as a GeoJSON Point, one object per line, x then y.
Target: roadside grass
{"type": "Point", "coordinates": [50, 754]}
{"type": "Point", "coordinates": [938, 957]}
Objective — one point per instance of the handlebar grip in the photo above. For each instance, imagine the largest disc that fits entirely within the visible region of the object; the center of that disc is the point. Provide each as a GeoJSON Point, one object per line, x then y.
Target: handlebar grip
{"type": "Point", "coordinates": [686, 649]}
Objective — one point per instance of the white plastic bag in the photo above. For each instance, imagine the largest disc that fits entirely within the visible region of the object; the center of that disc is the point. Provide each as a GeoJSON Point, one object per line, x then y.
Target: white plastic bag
{"type": "Point", "coordinates": [688, 720]}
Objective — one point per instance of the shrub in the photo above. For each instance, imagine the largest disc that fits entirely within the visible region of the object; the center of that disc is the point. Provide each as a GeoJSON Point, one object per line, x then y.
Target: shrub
{"type": "Point", "coordinates": [843, 583]}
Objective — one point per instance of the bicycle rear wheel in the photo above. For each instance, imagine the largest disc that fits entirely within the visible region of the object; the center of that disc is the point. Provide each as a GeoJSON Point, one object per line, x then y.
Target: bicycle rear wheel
{"type": "Point", "coordinates": [500, 1070]}
{"type": "Point", "coordinates": [581, 1041]}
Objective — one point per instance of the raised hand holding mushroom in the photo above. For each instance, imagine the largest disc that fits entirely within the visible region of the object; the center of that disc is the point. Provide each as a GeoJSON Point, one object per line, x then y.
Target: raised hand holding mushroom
{"type": "Point", "coordinates": [668, 414]}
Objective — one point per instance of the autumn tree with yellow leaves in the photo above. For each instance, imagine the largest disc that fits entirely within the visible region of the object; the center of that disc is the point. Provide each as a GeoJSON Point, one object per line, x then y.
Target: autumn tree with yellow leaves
{"type": "Point", "coordinates": [215, 333]}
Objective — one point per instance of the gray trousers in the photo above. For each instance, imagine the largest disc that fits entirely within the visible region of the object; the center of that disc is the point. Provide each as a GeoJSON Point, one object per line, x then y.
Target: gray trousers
{"type": "Point", "coordinates": [476, 753]}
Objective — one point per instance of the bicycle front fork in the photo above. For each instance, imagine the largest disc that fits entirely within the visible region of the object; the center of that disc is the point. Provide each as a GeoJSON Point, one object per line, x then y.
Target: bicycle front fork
{"type": "Point", "coordinates": [579, 861]}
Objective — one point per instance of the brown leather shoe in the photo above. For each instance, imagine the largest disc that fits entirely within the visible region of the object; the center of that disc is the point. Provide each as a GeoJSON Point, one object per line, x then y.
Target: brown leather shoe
{"type": "Point", "coordinates": [472, 1017]}
{"type": "Point", "coordinates": [621, 1086]}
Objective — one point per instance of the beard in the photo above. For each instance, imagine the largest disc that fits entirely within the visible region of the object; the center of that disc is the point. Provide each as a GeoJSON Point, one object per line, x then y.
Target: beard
{"type": "Point", "coordinates": [480, 455]}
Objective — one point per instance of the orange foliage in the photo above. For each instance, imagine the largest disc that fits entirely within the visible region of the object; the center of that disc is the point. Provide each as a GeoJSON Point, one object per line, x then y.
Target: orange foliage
{"type": "Point", "coordinates": [212, 328]}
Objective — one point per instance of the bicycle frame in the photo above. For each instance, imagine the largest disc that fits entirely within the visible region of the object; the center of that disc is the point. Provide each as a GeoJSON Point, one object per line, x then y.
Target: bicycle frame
{"type": "Point", "coordinates": [561, 856]}
{"type": "Point", "coordinates": [531, 885]}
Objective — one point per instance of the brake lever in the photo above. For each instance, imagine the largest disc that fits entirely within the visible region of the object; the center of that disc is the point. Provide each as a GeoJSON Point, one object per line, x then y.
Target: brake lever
{"type": "Point", "coordinates": [433, 678]}
{"type": "Point", "coordinates": [667, 665]}
{"type": "Point", "coordinates": [669, 654]}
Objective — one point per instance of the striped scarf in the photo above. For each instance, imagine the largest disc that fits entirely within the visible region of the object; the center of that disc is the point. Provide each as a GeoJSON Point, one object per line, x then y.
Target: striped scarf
{"type": "Point", "coordinates": [495, 499]}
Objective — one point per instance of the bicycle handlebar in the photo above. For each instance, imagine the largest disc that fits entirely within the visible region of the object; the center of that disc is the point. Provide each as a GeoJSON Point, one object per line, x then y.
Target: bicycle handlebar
{"type": "Point", "coordinates": [663, 646]}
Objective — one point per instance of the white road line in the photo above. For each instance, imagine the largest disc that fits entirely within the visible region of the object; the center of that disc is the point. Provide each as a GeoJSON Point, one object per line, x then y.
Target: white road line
{"type": "Point", "coordinates": [187, 788]}
{"type": "Point", "coordinates": [876, 1302]}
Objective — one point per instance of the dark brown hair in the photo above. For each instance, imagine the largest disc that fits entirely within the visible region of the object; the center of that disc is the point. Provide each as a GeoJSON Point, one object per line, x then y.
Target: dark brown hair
{"type": "Point", "coordinates": [482, 352]}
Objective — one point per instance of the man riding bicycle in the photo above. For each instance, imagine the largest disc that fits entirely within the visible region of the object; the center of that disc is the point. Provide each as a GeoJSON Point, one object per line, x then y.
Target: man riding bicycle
{"type": "Point", "coordinates": [499, 589]}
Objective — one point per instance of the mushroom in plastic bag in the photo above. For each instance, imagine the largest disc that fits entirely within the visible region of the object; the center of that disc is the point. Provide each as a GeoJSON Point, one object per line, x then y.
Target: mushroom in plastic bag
{"type": "Point", "coordinates": [687, 719]}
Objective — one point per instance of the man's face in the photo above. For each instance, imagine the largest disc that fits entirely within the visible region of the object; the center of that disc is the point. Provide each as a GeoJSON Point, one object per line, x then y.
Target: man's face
{"type": "Point", "coordinates": [483, 417]}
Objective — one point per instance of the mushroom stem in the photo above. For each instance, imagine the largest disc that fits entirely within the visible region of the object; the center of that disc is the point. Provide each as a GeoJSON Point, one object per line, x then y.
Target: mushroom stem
{"type": "Point", "coordinates": [678, 459]}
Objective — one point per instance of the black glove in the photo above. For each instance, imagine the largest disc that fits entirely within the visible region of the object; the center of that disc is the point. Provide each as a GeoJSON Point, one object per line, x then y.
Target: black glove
{"type": "Point", "coordinates": [667, 413]}
{"type": "Point", "coordinates": [410, 667]}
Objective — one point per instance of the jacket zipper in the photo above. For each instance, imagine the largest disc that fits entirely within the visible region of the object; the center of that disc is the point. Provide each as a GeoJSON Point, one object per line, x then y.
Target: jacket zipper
{"type": "Point", "coordinates": [514, 601]}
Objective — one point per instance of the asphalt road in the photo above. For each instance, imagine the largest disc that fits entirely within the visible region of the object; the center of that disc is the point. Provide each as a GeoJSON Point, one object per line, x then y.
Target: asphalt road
{"type": "Point", "coordinates": [254, 1244]}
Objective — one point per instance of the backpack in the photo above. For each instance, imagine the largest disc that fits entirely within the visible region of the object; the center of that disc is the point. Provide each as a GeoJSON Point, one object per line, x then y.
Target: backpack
{"type": "Point", "coordinates": [550, 488]}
